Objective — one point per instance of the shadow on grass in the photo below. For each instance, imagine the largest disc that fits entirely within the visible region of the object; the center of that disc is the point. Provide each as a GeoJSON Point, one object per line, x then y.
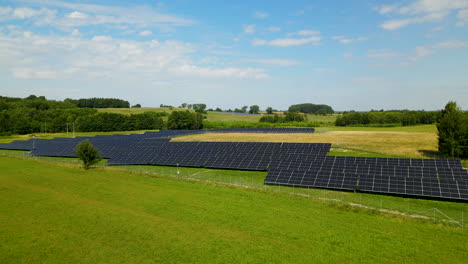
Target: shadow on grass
{"type": "Point", "coordinates": [430, 153]}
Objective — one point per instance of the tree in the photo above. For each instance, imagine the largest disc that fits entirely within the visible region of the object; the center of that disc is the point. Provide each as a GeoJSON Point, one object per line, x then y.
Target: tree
{"type": "Point", "coordinates": [137, 106]}
{"type": "Point", "coordinates": [254, 109]}
{"type": "Point", "coordinates": [87, 153]}
{"type": "Point", "coordinates": [269, 110]}
{"type": "Point", "coordinates": [311, 109]}
{"type": "Point", "coordinates": [199, 108]}
{"type": "Point", "coordinates": [452, 139]}
{"type": "Point", "coordinates": [185, 120]}
{"type": "Point", "coordinates": [184, 105]}
{"type": "Point", "coordinates": [244, 109]}
{"type": "Point", "coordinates": [294, 116]}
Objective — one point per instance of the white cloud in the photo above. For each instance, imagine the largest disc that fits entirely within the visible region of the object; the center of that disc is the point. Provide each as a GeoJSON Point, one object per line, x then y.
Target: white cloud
{"type": "Point", "coordinates": [260, 15]}
{"type": "Point", "coordinates": [421, 11]}
{"type": "Point", "coordinates": [421, 52]}
{"type": "Point", "coordinates": [367, 80]}
{"type": "Point", "coordinates": [101, 38]}
{"type": "Point", "coordinates": [275, 62]}
{"type": "Point", "coordinates": [192, 70]}
{"type": "Point", "coordinates": [399, 23]}
{"type": "Point", "coordinates": [305, 32]}
{"type": "Point", "coordinates": [145, 33]}
{"type": "Point", "coordinates": [286, 42]}
{"type": "Point", "coordinates": [24, 12]}
{"type": "Point", "coordinates": [423, 6]}
{"type": "Point", "coordinates": [463, 16]}
{"type": "Point", "coordinates": [383, 54]}
{"type": "Point", "coordinates": [31, 56]}
{"type": "Point", "coordinates": [345, 40]}
{"type": "Point", "coordinates": [76, 32]}
{"type": "Point", "coordinates": [321, 70]}
{"type": "Point", "coordinates": [347, 55]}
{"type": "Point", "coordinates": [77, 15]}
{"type": "Point", "coordinates": [385, 9]}
{"type": "Point", "coordinates": [26, 73]}
{"type": "Point", "coordinates": [274, 29]}
{"type": "Point", "coordinates": [437, 29]}
{"type": "Point", "coordinates": [90, 14]}
{"type": "Point", "coordinates": [453, 44]}
{"type": "Point", "coordinates": [5, 11]}
{"type": "Point", "coordinates": [249, 29]}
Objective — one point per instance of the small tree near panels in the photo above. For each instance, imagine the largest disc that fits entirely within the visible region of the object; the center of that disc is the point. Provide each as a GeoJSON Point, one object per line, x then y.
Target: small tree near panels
{"type": "Point", "coordinates": [87, 153]}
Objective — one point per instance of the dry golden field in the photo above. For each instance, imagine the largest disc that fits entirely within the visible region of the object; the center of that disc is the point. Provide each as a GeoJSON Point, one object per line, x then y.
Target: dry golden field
{"type": "Point", "coordinates": [404, 144]}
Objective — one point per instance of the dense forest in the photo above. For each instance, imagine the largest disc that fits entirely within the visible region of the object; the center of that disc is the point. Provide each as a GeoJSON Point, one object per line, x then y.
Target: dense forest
{"type": "Point", "coordinates": [37, 114]}
{"type": "Point", "coordinates": [392, 118]}
{"type": "Point", "coordinates": [100, 103]}
{"type": "Point", "coordinates": [312, 109]}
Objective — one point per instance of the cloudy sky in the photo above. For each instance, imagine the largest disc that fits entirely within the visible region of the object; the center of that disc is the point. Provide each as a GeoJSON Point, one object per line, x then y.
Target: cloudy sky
{"type": "Point", "coordinates": [352, 55]}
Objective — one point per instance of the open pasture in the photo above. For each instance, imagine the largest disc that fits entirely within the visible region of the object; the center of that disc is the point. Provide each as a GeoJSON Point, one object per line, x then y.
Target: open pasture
{"type": "Point", "coordinates": [391, 143]}
{"type": "Point", "coordinates": [58, 214]}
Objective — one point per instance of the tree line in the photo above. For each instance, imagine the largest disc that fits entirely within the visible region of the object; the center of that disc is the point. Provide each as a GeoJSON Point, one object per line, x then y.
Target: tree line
{"type": "Point", "coordinates": [316, 109]}
{"type": "Point", "coordinates": [395, 118]}
{"type": "Point", "coordinates": [286, 117]}
{"type": "Point", "coordinates": [100, 103]}
{"type": "Point", "coordinates": [35, 114]}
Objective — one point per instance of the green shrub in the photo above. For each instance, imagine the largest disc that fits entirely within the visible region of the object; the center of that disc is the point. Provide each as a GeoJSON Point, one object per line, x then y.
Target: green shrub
{"type": "Point", "coordinates": [88, 154]}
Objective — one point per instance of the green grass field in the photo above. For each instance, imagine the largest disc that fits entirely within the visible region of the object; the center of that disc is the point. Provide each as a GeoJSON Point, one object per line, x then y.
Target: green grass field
{"type": "Point", "coordinates": [53, 213]}
{"type": "Point", "coordinates": [8, 139]}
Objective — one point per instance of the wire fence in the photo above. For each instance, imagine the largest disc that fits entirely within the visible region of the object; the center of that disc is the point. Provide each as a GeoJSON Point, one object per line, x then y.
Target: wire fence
{"type": "Point", "coordinates": [439, 212]}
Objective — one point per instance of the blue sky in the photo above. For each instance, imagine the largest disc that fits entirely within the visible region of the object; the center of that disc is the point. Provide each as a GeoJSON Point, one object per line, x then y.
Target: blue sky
{"type": "Point", "coordinates": [352, 55]}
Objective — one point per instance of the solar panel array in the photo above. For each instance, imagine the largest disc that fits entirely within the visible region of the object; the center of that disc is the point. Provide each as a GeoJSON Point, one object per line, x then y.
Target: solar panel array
{"type": "Point", "coordinates": [439, 178]}
{"type": "Point", "coordinates": [226, 155]}
{"type": "Point", "coordinates": [290, 164]}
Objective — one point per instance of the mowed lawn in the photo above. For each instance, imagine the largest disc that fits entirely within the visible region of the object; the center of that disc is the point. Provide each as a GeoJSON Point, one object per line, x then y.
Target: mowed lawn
{"type": "Point", "coordinates": [63, 214]}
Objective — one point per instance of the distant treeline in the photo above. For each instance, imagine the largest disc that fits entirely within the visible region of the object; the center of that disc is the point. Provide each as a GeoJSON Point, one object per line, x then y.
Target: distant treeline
{"type": "Point", "coordinates": [99, 103]}
{"type": "Point", "coordinates": [286, 117]}
{"type": "Point", "coordinates": [312, 109]}
{"type": "Point", "coordinates": [397, 118]}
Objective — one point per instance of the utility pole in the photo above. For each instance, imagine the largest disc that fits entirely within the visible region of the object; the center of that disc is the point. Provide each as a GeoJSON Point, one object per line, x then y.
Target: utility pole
{"type": "Point", "coordinates": [73, 129]}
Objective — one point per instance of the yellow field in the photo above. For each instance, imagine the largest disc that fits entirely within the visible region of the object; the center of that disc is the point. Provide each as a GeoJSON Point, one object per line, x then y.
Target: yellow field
{"type": "Point", "coordinates": [404, 144]}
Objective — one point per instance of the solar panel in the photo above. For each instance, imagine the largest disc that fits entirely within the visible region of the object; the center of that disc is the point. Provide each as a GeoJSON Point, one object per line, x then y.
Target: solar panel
{"type": "Point", "coordinates": [290, 164]}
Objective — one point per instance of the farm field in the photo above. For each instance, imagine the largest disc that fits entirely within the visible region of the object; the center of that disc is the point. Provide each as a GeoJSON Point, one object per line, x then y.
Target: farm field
{"type": "Point", "coordinates": [400, 144]}
{"type": "Point", "coordinates": [211, 116]}
{"type": "Point", "coordinates": [8, 139]}
{"type": "Point", "coordinates": [113, 216]}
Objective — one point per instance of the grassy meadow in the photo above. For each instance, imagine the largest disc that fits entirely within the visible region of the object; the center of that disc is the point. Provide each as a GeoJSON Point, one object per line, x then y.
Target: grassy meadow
{"type": "Point", "coordinates": [59, 213]}
{"type": "Point", "coordinates": [384, 143]}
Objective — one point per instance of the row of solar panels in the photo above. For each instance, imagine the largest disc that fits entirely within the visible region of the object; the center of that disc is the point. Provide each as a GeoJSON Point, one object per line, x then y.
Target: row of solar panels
{"type": "Point", "coordinates": [228, 155]}
{"type": "Point", "coordinates": [113, 139]}
{"type": "Point", "coordinates": [297, 164]}
{"type": "Point", "coordinates": [435, 187]}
